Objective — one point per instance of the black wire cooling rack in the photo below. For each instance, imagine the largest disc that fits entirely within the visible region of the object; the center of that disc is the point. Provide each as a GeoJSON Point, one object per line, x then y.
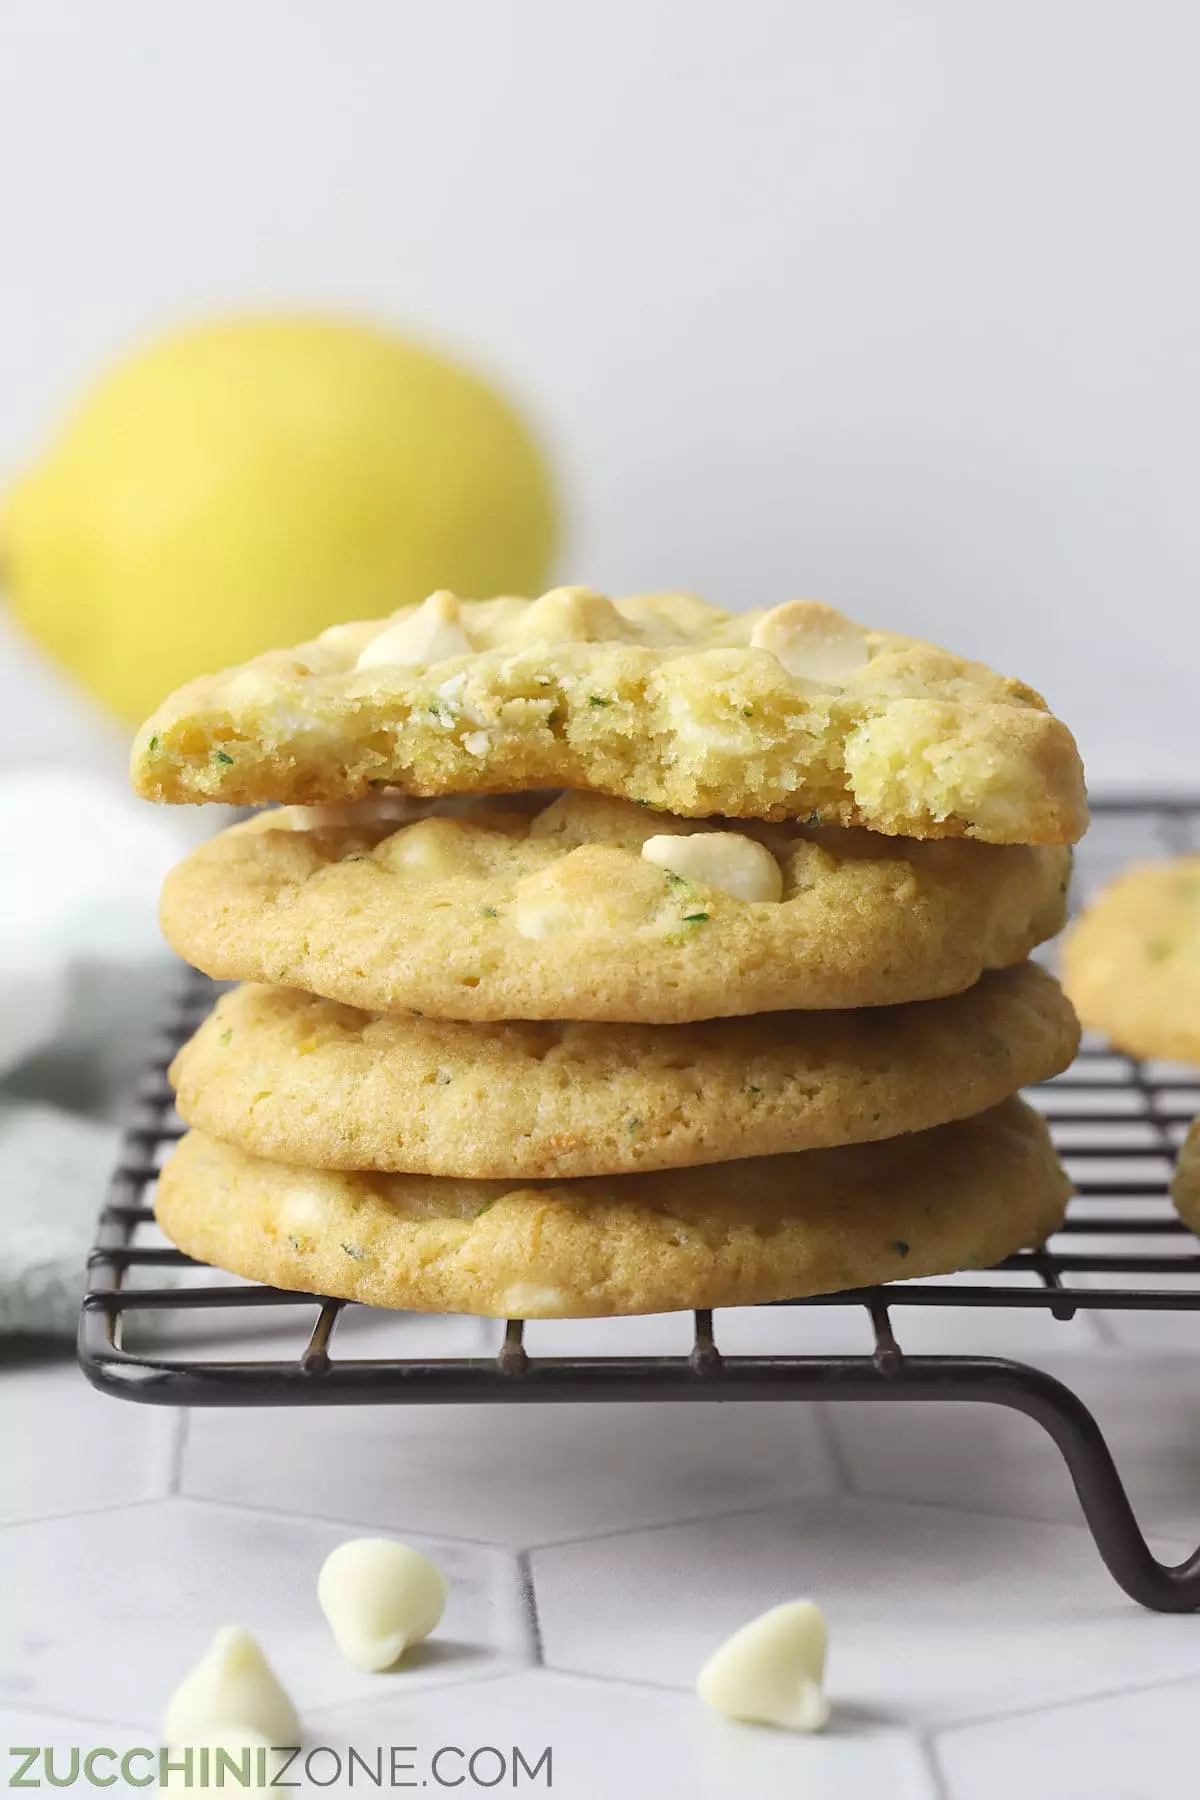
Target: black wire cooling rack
{"type": "Point", "coordinates": [1117, 1123]}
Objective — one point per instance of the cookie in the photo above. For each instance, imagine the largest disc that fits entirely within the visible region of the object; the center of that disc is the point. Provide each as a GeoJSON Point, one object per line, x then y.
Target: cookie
{"type": "Point", "coordinates": [659, 698]}
{"type": "Point", "coordinates": [1132, 962]}
{"type": "Point", "coordinates": [1185, 1184]}
{"type": "Point", "coordinates": [771, 1228]}
{"type": "Point", "coordinates": [555, 913]}
{"type": "Point", "coordinates": [310, 1082]}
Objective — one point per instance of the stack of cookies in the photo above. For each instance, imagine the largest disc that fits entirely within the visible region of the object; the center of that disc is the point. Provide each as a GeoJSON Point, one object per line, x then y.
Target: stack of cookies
{"type": "Point", "coordinates": [614, 957]}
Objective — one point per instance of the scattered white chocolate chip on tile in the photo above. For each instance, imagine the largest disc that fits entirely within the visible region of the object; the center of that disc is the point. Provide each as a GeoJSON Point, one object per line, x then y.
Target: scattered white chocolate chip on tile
{"type": "Point", "coordinates": [231, 1759]}
{"type": "Point", "coordinates": [726, 860]}
{"type": "Point", "coordinates": [770, 1672]}
{"type": "Point", "coordinates": [379, 1597]}
{"type": "Point", "coordinates": [814, 642]}
{"type": "Point", "coordinates": [431, 633]}
{"type": "Point", "coordinates": [232, 1685]}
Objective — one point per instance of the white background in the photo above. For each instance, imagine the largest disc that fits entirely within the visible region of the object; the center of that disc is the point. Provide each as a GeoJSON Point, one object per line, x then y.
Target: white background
{"type": "Point", "coordinates": [890, 301]}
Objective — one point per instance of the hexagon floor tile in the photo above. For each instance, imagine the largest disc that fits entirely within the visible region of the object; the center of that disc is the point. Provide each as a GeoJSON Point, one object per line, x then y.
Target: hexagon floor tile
{"type": "Point", "coordinates": [608, 1740]}
{"type": "Point", "coordinates": [68, 1449]}
{"type": "Point", "coordinates": [993, 1459]}
{"type": "Point", "coordinates": [1124, 1747]}
{"type": "Point", "coordinates": [514, 1474]}
{"type": "Point", "coordinates": [104, 1613]}
{"type": "Point", "coordinates": [934, 1614]}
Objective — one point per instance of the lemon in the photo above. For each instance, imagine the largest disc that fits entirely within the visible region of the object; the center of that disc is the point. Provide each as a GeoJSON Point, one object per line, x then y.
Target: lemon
{"type": "Point", "coordinates": [244, 484]}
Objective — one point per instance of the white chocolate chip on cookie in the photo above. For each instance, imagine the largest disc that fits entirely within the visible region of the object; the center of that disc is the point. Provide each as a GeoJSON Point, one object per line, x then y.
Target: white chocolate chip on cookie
{"type": "Point", "coordinates": [431, 634]}
{"type": "Point", "coordinates": [379, 1597]}
{"type": "Point", "coordinates": [232, 1685]}
{"type": "Point", "coordinates": [341, 812]}
{"type": "Point", "coordinates": [814, 642]}
{"type": "Point", "coordinates": [726, 860]}
{"type": "Point", "coordinates": [569, 615]}
{"type": "Point", "coordinates": [770, 1671]}
{"type": "Point", "coordinates": [541, 915]}
{"type": "Point", "coordinates": [430, 849]}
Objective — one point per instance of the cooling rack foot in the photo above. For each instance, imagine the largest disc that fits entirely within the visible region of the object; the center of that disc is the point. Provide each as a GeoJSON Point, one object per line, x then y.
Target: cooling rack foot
{"type": "Point", "coordinates": [1062, 1414]}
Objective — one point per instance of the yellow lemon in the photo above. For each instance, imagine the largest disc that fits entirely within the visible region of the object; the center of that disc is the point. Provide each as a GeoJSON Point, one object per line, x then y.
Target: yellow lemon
{"type": "Point", "coordinates": [246, 483]}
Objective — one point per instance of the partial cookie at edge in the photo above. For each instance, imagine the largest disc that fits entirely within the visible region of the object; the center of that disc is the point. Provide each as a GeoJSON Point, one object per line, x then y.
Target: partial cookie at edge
{"type": "Point", "coordinates": [1185, 1183]}
{"type": "Point", "coordinates": [1131, 963]}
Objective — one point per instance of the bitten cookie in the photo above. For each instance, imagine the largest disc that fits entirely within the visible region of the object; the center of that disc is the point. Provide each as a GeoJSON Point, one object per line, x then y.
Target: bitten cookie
{"type": "Point", "coordinates": [772, 1228]}
{"type": "Point", "coordinates": [589, 909]}
{"type": "Point", "coordinates": [659, 698]}
{"type": "Point", "coordinates": [317, 1084]}
{"type": "Point", "coordinates": [1132, 962]}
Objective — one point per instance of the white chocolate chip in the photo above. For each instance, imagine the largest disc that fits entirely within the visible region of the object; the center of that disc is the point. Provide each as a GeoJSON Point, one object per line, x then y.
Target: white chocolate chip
{"type": "Point", "coordinates": [431, 634]}
{"type": "Point", "coordinates": [338, 637]}
{"type": "Point", "coordinates": [305, 1211]}
{"type": "Point", "coordinates": [379, 1597]}
{"type": "Point", "coordinates": [342, 812]}
{"type": "Point", "coordinates": [569, 615]}
{"type": "Point", "coordinates": [525, 1300]}
{"type": "Point", "coordinates": [814, 642]}
{"type": "Point", "coordinates": [429, 848]}
{"type": "Point", "coordinates": [476, 743]}
{"type": "Point", "coordinates": [250, 685]}
{"type": "Point", "coordinates": [541, 915]}
{"type": "Point", "coordinates": [232, 1685]}
{"type": "Point", "coordinates": [452, 691]}
{"type": "Point", "coordinates": [770, 1672]}
{"type": "Point", "coordinates": [248, 1754]}
{"type": "Point", "coordinates": [726, 860]}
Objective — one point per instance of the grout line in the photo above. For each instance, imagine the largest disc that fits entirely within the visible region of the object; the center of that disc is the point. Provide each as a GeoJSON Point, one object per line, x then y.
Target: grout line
{"type": "Point", "coordinates": [623, 1681]}
{"type": "Point", "coordinates": [19, 1703]}
{"type": "Point", "coordinates": [836, 1449]}
{"type": "Point", "coordinates": [529, 1606]}
{"type": "Point", "coordinates": [266, 1510]}
{"type": "Point", "coordinates": [782, 1503]}
{"type": "Point", "coordinates": [1064, 1703]}
{"type": "Point", "coordinates": [176, 1449]}
{"type": "Point", "coordinates": [927, 1746]}
{"type": "Point", "coordinates": [82, 1512]}
{"type": "Point", "coordinates": [427, 1685]}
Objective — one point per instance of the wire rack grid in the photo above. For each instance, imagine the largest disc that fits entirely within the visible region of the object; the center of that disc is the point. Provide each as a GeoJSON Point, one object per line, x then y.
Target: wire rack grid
{"type": "Point", "coordinates": [1117, 1123]}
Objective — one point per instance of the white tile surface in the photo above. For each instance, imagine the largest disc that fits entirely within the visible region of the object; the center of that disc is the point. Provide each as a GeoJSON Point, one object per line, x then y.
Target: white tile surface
{"type": "Point", "coordinates": [65, 1448]}
{"type": "Point", "coordinates": [935, 1615]}
{"type": "Point", "coordinates": [1123, 1747]}
{"type": "Point", "coordinates": [515, 1474]}
{"type": "Point", "coordinates": [992, 1459]}
{"type": "Point", "coordinates": [104, 1613]}
{"type": "Point", "coordinates": [610, 1739]}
